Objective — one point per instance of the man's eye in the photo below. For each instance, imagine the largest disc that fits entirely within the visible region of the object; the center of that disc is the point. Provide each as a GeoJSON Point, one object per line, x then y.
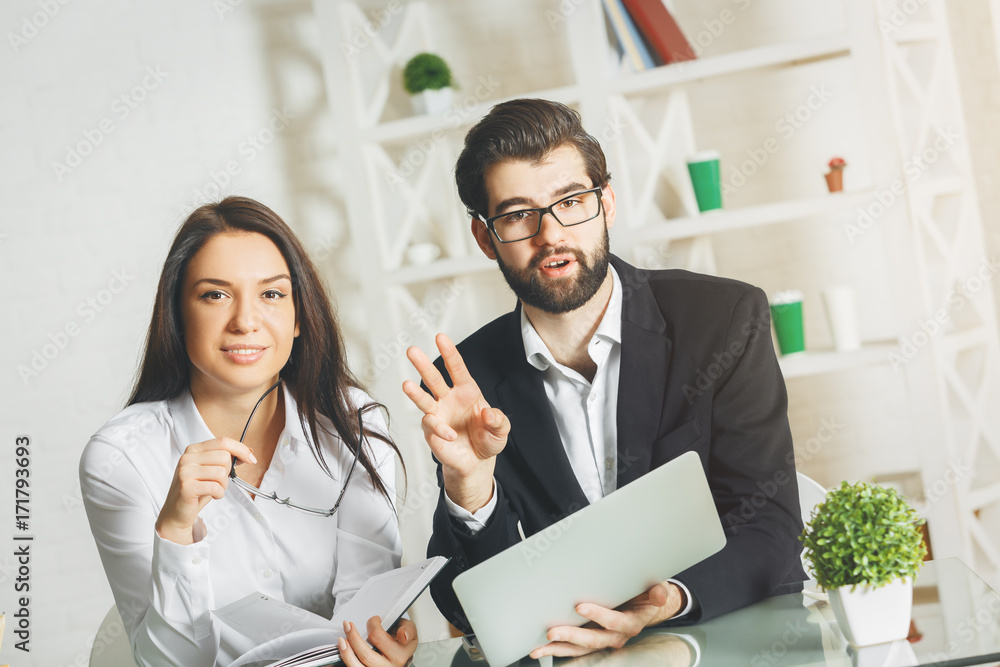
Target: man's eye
{"type": "Point", "coordinates": [568, 203]}
{"type": "Point", "coordinates": [517, 216]}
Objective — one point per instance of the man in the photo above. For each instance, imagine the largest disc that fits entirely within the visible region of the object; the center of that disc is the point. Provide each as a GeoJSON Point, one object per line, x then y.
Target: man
{"type": "Point", "coordinates": [600, 374]}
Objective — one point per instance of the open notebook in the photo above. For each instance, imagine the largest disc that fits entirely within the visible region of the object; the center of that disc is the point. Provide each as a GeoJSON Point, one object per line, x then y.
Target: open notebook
{"type": "Point", "coordinates": [288, 636]}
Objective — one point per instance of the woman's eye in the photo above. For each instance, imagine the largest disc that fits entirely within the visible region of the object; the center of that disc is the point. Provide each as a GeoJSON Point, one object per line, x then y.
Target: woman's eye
{"type": "Point", "coordinates": [274, 295]}
{"type": "Point", "coordinates": [213, 295]}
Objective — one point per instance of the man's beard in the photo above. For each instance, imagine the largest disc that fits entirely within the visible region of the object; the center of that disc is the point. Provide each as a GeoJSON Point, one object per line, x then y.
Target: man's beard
{"type": "Point", "coordinates": [560, 295]}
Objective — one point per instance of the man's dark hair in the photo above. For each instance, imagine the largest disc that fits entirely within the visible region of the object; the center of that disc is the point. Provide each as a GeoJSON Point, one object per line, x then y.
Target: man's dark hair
{"type": "Point", "coordinates": [524, 129]}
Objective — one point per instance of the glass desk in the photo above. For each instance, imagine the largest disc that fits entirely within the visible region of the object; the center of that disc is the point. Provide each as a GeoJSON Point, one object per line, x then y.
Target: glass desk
{"type": "Point", "coordinates": [956, 622]}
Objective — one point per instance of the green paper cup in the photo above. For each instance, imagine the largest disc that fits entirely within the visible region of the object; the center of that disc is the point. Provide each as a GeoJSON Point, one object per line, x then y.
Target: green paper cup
{"type": "Point", "coordinates": [786, 317]}
{"type": "Point", "coordinates": [704, 170]}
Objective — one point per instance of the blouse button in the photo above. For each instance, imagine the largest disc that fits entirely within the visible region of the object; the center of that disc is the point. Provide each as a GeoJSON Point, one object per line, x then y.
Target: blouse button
{"type": "Point", "coordinates": [196, 560]}
{"type": "Point", "coordinates": [267, 574]}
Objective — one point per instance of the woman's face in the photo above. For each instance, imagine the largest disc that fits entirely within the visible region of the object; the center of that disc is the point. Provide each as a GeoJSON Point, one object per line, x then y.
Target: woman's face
{"type": "Point", "coordinates": [238, 315]}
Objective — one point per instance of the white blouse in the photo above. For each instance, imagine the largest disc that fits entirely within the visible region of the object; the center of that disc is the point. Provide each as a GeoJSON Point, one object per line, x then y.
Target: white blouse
{"type": "Point", "coordinates": [165, 591]}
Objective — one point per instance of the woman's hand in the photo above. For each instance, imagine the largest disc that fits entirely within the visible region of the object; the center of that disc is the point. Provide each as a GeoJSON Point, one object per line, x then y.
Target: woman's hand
{"type": "Point", "coordinates": [392, 650]}
{"type": "Point", "coordinates": [202, 474]}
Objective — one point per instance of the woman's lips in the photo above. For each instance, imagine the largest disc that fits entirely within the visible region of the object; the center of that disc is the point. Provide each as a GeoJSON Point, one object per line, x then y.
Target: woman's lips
{"type": "Point", "coordinates": [244, 355]}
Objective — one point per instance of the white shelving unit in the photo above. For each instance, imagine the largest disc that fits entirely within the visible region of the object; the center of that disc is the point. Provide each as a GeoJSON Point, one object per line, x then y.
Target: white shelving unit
{"type": "Point", "coordinates": [898, 105]}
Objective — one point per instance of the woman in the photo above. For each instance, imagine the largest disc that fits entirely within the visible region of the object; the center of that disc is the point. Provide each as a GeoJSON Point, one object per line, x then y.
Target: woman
{"type": "Point", "coordinates": [239, 305]}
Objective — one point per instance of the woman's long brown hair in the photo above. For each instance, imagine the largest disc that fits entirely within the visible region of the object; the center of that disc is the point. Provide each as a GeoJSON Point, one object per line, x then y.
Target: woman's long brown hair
{"type": "Point", "coordinates": [316, 371]}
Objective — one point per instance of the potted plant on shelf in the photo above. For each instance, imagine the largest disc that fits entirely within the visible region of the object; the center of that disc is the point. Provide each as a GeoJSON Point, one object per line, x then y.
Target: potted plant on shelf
{"type": "Point", "coordinates": [427, 78]}
{"type": "Point", "coordinates": [865, 547]}
{"type": "Point", "coordinates": [835, 177]}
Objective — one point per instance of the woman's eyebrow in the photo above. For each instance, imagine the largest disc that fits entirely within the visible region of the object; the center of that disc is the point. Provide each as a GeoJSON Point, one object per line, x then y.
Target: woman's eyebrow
{"type": "Point", "coordinates": [226, 283]}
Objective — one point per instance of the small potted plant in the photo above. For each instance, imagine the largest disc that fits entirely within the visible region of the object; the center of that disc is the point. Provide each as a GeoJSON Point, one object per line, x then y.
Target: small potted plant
{"type": "Point", "coordinates": [427, 78]}
{"type": "Point", "coordinates": [835, 177]}
{"type": "Point", "coordinates": [864, 545]}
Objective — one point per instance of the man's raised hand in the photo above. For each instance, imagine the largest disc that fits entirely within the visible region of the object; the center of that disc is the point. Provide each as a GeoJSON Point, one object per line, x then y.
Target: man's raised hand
{"type": "Point", "coordinates": [463, 431]}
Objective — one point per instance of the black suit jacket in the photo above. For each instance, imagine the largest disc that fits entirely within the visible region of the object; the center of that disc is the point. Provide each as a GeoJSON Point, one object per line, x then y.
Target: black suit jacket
{"type": "Point", "coordinates": [698, 373]}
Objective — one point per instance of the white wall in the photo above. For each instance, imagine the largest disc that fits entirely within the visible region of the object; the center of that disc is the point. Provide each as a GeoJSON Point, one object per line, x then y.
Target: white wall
{"type": "Point", "coordinates": [99, 234]}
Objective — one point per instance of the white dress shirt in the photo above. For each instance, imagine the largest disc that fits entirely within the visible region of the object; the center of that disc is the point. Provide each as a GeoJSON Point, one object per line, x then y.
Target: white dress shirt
{"type": "Point", "coordinates": [585, 412]}
{"type": "Point", "coordinates": [165, 591]}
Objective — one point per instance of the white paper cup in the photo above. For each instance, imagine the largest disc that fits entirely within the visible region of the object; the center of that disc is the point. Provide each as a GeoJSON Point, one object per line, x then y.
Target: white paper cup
{"type": "Point", "coordinates": [842, 316]}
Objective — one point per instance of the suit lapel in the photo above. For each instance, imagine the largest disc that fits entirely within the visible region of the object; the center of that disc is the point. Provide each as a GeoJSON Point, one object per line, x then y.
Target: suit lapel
{"type": "Point", "coordinates": [642, 380]}
{"type": "Point", "coordinates": [534, 434]}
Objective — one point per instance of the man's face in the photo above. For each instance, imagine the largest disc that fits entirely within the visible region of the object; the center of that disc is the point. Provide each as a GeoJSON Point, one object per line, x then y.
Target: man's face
{"type": "Point", "coordinates": [561, 268]}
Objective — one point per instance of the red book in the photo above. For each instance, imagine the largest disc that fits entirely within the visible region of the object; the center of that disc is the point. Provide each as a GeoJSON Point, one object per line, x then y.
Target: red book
{"type": "Point", "coordinates": [660, 29]}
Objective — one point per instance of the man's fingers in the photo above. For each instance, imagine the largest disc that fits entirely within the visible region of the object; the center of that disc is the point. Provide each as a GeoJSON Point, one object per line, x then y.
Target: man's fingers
{"type": "Point", "coordinates": [589, 638]}
{"type": "Point", "coordinates": [434, 425]}
{"type": "Point", "coordinates": [428, 372]}
{"type": "Point", "coordinates": [658, 595]}
{"type": "Point", "coordinates": [424, 401]}
{"type": "Point", "coordinates": [609, 619]}
{"type": "Point", "coordinates": [453, 360]}
{"type": "Point", "coordinates": [496, 421]}
{"type": "Point", "coordinates": [559, 649]}
{"type": "Point", "coordinates": [572, 641]}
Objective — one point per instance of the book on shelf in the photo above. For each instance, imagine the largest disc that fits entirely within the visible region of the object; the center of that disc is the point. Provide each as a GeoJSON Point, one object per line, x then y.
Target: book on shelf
{"type": "Point", "coordinates": [629, 38]}
{"type": "Point", "coordinates": [313, 639]}
{"type": "Point", "coordinates": [658, 27]}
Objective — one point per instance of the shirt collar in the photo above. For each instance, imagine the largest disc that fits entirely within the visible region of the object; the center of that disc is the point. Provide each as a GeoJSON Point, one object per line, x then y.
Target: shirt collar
{"type": "Point", "coordinates": [610, 328]}
{"type": "Point", "coordinates": [191, 428]}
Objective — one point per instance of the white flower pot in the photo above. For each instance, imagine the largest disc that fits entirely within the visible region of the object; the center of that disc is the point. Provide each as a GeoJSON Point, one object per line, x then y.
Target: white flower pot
{"type": "Point", "coordinates": [433, 102]}
{"type": "Point", "coordinates": [870, 616]}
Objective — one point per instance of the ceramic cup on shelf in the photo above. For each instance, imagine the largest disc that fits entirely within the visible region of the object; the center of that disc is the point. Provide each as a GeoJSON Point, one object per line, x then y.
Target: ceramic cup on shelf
{"type": "Point", "coordinates": [838, 302]}
{"type": "Point", "coordinates": [786, 318]}
{"type": "Point", "coordinates": [422, 253]}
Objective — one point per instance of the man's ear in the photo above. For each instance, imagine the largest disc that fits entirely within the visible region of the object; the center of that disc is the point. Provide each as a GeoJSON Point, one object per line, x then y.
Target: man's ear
{"type": "Point", "coordinates": [482, 234]}
{"type": "Point", "coordinates": [608, 201]}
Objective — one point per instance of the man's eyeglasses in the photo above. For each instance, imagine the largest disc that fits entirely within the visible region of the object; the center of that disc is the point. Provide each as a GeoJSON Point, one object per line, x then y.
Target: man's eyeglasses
{"type": "Point", "coordinates": [527, 222]}
{"type": "Point", "coordinates": [250, 488]}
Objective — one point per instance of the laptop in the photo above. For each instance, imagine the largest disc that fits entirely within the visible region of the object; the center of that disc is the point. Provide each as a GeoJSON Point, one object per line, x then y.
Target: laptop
{"type": "Point", "coordinates": [606, 553]}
